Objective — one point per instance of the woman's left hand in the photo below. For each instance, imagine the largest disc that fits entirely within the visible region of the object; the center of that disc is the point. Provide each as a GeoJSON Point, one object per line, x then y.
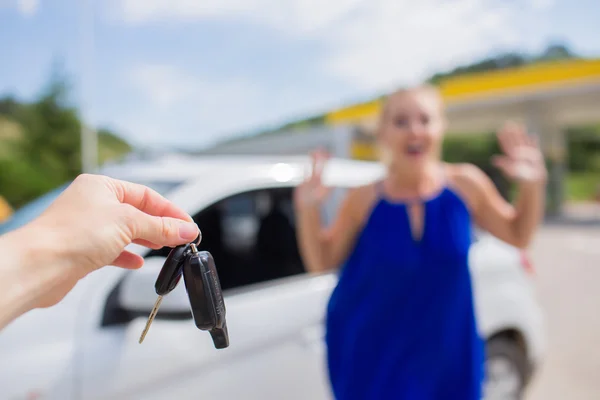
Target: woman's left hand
{"type": "Point", "coordinates": [522, 160]}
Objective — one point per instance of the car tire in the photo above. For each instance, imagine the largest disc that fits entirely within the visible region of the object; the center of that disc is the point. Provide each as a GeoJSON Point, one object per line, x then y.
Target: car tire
{"type": "Point", "coordinates": [506, 369]}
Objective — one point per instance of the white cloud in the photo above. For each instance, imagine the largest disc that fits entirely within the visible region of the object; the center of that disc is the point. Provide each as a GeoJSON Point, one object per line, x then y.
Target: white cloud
{"type": "Point", "coordinates": [542, 4]}
{"type": "Point", "coordinates": [403, 43]}
{"type": "Point", "coordinates": [163, 85]}
{"type": "Point", "coordinates": [291, 16]}
{"type": "Point", "coordinates": [371, 43]}
{"type": "Point", "coordinates": [177, 106]}
{"type": "Point", "coordinates": [167, 86]}
{"type": "Point", "coordinates": [28, 7]}
{"type": "Point", "coordinates": [172, 96]}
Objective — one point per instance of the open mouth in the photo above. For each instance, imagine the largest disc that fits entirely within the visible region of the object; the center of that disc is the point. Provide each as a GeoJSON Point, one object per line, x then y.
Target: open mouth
{"type": "Point", "coordinates": [415, 149]}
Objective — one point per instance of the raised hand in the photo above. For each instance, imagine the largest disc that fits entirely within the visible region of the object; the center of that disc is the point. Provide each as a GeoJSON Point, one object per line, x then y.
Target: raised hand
{"type": "Point", "coordinates": [522, 160]}
{"type": "Point", "coordinates": [312, 191]}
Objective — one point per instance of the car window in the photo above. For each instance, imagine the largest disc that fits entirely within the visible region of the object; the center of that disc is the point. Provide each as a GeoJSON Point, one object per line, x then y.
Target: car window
{"type": "Point", "coordinates": [252, 237]}
{"type": "Point", "coordinates": [35, 208]}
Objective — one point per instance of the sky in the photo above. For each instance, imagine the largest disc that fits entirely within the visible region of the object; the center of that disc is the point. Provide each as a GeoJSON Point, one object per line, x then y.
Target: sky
{"type": "Point", "coordinates": [191, 73]}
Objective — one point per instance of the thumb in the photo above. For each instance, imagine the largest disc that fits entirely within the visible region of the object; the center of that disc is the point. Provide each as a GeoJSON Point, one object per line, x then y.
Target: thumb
{"type": "Point", "coordinates": [163, 231]}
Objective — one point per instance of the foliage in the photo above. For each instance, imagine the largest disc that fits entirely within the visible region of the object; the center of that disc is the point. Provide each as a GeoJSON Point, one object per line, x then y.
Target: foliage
{"type": "Point", "coordinates": [583, 186]}
{"type": "Point", "coordinates": [476, 149]}
{"type": "Point", "coordinates": [507, 60]}
{"type": "Point", "coordinates": [40, 144]}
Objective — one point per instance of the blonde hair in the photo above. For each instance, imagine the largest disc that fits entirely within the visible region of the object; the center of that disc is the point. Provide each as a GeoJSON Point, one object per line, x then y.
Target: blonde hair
{"type": "Point", "coordinates": [384, 154]}
{"type": "Point", "coordinates": [385, 107]}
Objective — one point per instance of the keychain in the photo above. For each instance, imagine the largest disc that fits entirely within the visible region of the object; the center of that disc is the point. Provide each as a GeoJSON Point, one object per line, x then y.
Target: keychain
{"type": "Point", "coordinates": [202, 286]}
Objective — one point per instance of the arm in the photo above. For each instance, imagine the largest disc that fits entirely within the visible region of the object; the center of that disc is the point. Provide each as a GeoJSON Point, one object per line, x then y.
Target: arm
{"type": "Point", "coordinates": [325, 248]}
{"type": "Point", "coordinates": [522, 163]}
{"type": "Point", "coordinates": [516, 224]}
{"type": "Point", "coordinates": [31, 265]}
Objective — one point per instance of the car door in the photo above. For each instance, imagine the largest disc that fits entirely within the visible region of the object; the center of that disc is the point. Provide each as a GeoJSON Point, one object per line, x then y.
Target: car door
{"type": "Point", "coordinates": [275, 322]}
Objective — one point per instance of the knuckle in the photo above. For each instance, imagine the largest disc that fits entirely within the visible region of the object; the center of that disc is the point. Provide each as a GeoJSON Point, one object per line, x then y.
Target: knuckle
{"type": "Point", "coordinates": [128, 217]}
{"type": "Point", "coordinates": [167, 228]}
{"type": "Point", "coordinates": [146, 199]}
{"type": "Point", "coordinates": [84, 177]}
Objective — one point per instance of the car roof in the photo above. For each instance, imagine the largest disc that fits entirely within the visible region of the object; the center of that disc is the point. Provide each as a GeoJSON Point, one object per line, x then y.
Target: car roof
{"type": "Point", "coordinates": [182, 167]}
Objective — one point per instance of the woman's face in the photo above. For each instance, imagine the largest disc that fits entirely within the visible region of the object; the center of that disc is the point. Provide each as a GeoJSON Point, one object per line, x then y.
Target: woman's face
{"type": "Point", "coordinates": [412, 128]}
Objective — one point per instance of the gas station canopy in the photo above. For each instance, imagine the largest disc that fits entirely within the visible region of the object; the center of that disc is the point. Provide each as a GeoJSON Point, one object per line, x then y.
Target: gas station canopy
{"type": "Point", "coordinates": [558, 93]}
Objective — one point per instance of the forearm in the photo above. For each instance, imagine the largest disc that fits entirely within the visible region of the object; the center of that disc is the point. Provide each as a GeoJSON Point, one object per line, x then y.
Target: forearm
{"type": "Point", "coordinates": [310, 243]}
{"type": "Point", "coordinates": [31, 266]}
{"type": "Point", "coordinates": [529, 211]}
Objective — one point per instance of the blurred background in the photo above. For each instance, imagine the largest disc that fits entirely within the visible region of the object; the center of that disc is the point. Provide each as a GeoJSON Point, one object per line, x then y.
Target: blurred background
{"type": "Point", "coordinates": [89, 84]}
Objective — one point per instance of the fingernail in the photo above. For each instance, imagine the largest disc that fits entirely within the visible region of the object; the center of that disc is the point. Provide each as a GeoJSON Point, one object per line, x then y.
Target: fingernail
{"type": "Point", "coordinates": [188, 231]}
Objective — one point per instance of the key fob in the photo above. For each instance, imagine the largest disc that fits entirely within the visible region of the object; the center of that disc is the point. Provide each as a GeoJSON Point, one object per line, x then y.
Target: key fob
{"type": "Point", "coordinates": [171, 271]}
{"type": "Point", "coordinates": [206, 299]}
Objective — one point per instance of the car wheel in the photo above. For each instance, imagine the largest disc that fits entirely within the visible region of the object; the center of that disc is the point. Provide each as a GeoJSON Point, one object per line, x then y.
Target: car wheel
{"type": "Point", "coordinates": [506, 370]}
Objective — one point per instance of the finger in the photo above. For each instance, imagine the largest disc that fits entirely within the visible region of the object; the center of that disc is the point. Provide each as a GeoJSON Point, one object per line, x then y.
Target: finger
{"type": "Point", "coordinates": [520, 135]}
{"type": "Point", "coordinates": [314, 159]}
{"type": "Point", "coordinates": [503, 163]}
{"type": "Point", "coordinates": [162, 231]}
{"type": "Point", "coordinates": [504, 140]}
{"type": "Point", "coordinates": [318, 164]}
{"type": "Point", "coordinates": [128, 260]}
{"type": "Point", "coordinates": [310, 167]}
{"type": "Point", "coordinates": [510, 137]}
{"type": "Point", "coordinates": [148, 244]}
{"type": "Point", "coordinates": [147, 200]}
{"type": "Point", "coordinates": [323, 157]}
{"type": "Point", "coordinates": [533, 140]}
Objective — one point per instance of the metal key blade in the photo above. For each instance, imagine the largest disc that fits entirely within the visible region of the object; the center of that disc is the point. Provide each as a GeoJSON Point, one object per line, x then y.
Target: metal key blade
{"type": "Point", "coordinates": [151, 318]}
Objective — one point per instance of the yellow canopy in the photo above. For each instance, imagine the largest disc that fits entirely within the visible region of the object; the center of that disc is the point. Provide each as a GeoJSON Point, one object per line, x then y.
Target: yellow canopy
{"type": "Point", "coordinates": [5, 210]}
{"type": "Point", "coordinates": [548, 78]}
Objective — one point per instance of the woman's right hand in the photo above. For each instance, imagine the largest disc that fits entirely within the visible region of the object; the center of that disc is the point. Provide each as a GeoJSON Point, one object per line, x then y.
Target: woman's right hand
{"type": "Point", "coordinates": [312, 192]}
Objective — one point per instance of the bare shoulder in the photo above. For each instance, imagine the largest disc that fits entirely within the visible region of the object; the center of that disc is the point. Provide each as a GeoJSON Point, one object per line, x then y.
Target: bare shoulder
{"type": "Point", "coordinates": [359, 201]}
{"type": "Point", "coordinates": [465, 174]}
{"type": "Point", "coordinates": [469, 181]}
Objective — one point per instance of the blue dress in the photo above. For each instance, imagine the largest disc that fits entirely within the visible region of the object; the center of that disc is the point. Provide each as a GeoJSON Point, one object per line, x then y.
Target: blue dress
{"type": "Point", "coordinates": [401, 323]}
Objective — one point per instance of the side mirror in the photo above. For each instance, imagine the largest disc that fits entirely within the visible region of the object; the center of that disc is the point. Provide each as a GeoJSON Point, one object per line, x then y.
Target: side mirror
{"type": "Point", "coordinates": [137, 295]}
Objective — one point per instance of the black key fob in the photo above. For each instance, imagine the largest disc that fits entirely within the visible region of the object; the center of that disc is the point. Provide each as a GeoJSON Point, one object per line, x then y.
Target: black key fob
{"type": "Point", "coordinates": [206, 299]}
{"type": "Point", "coordinates": [171, 271]}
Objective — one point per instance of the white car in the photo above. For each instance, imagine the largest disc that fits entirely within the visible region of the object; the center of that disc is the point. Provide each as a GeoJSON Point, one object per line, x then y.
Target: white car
{"type": "Point", "coordinates": [87, 346]}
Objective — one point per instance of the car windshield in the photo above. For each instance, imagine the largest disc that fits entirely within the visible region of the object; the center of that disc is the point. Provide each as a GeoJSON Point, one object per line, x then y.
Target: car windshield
{"type": "Point", "coordinates": [33, 209]}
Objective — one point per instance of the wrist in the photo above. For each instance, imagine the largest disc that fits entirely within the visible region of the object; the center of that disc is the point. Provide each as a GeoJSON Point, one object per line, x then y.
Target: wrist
{"type": "Point", "coordinates": [536, 184]}
{"type": "Point", "coordinates": [40, 265]}
{"type": "Point", "coordinates": [17, 291]}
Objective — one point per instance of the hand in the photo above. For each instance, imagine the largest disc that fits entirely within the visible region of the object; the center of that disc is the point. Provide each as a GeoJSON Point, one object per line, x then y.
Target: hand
{"type": "Point", "coordinates": [94, 219]}
{"type": "Point", "coordinates": [312, 192]}
{"type": "Point", "coordinates": [523, 160]}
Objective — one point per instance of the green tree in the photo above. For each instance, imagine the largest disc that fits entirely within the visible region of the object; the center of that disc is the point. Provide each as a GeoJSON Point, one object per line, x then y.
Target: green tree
{"type": "Point", "coordinates": [46, 153]}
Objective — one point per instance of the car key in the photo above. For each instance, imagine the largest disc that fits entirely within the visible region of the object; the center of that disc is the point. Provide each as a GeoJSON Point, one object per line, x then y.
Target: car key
{"type": "Point", "coordinates": [206, 299]}
{"type": "Point", "coordinates": [167, 280]}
